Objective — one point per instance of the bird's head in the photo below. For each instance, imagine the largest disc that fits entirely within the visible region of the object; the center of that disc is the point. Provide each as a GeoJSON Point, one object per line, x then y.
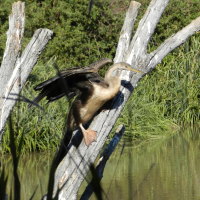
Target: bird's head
{"type": "Point", "coordinates": [125, 66]}
{"type": "Point", "coordinates": [115, 69]}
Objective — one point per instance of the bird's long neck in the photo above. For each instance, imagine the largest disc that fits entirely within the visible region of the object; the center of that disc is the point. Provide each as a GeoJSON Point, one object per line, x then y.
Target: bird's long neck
{"type": "Point", "coordinates": [112, 80]}
{"type": "Point", "coordinates": [109, 74]}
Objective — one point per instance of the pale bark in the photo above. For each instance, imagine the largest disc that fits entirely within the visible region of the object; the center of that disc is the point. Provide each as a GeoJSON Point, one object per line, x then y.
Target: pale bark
{"type": "Point", "coordinates": [171, 43]}
{"type": "Point", "coordinates": [16, 68]}
{"type": "Point", "coordinates": [75, 165]}
{"type": "Point", "coordinates": [126, 32]}
{"type": "Point", "coordinates": [13, 43]}
{"type": "Point", "coordinates": [102, 163]}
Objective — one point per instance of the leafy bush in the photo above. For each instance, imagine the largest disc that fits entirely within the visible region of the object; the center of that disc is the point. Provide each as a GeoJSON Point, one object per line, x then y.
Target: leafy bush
{"type": "Point", "coordinates": [79, 38]}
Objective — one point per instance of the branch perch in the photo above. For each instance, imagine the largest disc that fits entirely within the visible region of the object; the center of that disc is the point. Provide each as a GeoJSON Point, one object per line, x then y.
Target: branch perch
{"type": "Point", "coordinates": [102, 163]}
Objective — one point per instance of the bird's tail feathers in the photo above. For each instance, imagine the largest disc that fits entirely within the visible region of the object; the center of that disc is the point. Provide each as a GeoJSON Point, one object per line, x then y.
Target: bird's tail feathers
{"type": "Point", "coordinates": [37, 99]}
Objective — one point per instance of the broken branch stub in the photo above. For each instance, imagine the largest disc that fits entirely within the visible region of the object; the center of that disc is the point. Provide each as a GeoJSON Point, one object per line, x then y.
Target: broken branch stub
{"type": "Point", "coordinates": [16, 67]}
{"type": "Point", "coordinates": [126, 32]}
{"type": "Point", "coordinates": [13, 44]}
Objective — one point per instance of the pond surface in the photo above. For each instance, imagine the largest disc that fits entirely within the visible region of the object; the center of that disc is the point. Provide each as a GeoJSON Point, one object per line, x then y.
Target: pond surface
{"type": "Point", "coordinates": [161, 169]}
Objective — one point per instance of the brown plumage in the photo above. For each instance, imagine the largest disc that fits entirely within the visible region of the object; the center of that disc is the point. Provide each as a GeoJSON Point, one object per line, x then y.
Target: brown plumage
{"type": "Point", "coordinates": [90, 89]}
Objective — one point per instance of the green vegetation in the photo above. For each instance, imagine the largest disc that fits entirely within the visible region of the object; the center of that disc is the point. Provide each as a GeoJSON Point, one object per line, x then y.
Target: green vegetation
{"type": "Point", "coordinates": [79, 38]}
{"type": "Point", "coordinates": [163, 100]}
{"type": "Point", "coordinates": [168, 97]}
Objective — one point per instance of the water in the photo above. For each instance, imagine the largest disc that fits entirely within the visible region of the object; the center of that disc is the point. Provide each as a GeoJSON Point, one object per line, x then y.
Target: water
{"type": "Point", "coordinates": [33, 171]}
{"type": "Point", "coordinates": [160, 169]}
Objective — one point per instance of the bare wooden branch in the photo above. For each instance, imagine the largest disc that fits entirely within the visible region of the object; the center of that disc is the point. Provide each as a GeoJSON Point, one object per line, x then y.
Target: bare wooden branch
{"type": "Point", "coordinates": [137, 49]}
{"type": "Point", "coordinates": [32, 51]}
{"type": "Point", "coordinates": [12, 50]}
{"type": "Point", "coordinates": [126, 32]}
{"type": "Point", "coordinates": [75, 165]}
{"type": "Point", "coordinates": [102, 163]}
{"type": "Point", "coordinates": [15, 69]}
{"type": "Point", "coordinates": [13, 44]}
{"type": "Point", "coordinates": [173, 42]}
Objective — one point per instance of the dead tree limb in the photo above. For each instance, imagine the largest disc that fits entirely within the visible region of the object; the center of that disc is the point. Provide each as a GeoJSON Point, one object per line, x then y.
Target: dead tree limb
{"type": "Point", "coordinates": [16, 67]}
{"type": "Point", "coordinates": [133, 51]}
{"type": "Point", "coordinates": [171, 43]}
{"type": "Point", "coordinates": [102, 163]}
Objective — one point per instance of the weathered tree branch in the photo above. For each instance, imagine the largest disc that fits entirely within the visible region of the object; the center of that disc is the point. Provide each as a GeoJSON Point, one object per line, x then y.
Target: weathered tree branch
{"type": "Point", "coordinates": [15, 68]}
{"type": "Point", "coordinates": [102, 163]}
{"type": "Point", "coordinates": [126, 32]}
{"type": "Point", "coordinates": [138, 47]}
{"type": "Point", "coordinates": [171, 43]}
{"type": "Point", "coordinates": [75, 165]}
{"type": "Point", "coordinates": [13, 43]}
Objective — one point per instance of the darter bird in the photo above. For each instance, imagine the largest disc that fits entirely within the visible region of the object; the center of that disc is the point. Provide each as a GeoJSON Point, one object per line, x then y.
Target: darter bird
{"type": "Point", "coordinates": [90, 90]}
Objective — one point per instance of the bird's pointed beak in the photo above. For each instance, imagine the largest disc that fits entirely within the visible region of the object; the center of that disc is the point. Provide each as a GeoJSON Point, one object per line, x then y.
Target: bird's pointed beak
{"type": "Point", "coordinates": [133, 70]}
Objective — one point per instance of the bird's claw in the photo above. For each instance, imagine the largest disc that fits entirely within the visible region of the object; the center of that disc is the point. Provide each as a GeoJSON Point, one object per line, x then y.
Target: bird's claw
{"type": "Point", "coordinates": [90, 136]}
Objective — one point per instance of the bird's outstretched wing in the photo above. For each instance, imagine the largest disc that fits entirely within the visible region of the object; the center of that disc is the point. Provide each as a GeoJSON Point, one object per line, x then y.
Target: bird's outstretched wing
{"type": "Point", "coordinates": [71, 82]}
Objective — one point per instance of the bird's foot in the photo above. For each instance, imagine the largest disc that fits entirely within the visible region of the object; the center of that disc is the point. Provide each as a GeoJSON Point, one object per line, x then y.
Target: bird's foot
{"type": "Point", "coordinates": [89, 136]}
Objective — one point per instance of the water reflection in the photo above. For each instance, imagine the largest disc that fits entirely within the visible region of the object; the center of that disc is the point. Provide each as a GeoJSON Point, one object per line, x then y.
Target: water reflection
{"type": "Point", "coordinates": [33, 172]}
{"type": "Point", "coordinates": [159, 170]}
{"type": "Point", "coordinates": [162, 169]}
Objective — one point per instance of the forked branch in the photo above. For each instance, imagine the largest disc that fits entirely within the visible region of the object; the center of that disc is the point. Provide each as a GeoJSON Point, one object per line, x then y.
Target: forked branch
{"type": "Point", "coordinates": [134, 52]}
